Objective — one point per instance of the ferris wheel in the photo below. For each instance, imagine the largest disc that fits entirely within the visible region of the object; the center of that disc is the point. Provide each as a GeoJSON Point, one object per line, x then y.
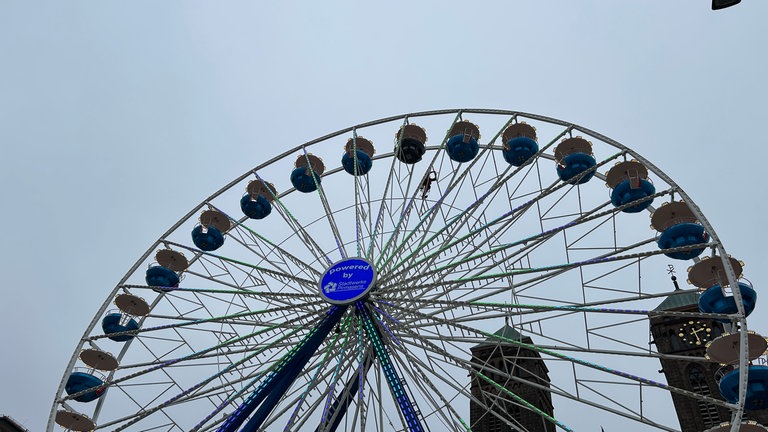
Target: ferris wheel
{"type": "Point", "coordinates": [411, 274]}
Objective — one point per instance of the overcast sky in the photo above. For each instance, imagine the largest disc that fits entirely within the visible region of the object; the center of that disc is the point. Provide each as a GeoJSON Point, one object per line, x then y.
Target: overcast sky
{"type": "Point", "coordinates": [117, 117]}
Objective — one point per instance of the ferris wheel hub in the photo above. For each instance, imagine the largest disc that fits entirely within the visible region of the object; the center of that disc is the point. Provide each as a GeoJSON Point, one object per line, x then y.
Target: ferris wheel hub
{"type": "Point", "coordinates": [347, 281]}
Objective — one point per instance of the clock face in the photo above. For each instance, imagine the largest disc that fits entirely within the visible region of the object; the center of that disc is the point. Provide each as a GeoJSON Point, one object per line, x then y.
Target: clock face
{"type": "Point", "coordinates": [695, 333]}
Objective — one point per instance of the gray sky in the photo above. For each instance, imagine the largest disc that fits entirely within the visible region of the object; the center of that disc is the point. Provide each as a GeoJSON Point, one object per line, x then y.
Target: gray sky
{"type": "Point", "coordinates": [117, 117]}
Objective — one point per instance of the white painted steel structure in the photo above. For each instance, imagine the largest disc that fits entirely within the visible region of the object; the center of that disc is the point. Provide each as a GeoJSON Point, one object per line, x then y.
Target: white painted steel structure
{"type": "Point", "coordinates": [489, 244]}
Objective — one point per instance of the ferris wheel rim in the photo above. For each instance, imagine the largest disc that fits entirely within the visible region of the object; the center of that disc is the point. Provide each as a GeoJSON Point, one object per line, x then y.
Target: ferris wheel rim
{"type": "Point", "coordinates": [717, 244]}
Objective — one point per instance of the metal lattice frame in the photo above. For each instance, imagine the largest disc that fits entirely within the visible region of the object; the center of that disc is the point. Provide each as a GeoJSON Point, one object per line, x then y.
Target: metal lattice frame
{"type": "Point", "coordinates": [490, 244]}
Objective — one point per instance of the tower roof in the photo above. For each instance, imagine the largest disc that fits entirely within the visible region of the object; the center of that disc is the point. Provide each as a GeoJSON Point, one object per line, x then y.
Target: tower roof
{"type": "Point", "coordinates": [682, 300]}
{"type": "Point", "coordinates": [506, 332]}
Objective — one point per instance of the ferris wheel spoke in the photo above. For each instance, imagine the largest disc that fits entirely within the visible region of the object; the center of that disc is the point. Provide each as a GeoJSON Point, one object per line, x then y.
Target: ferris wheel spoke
{"type": "Point", "coordinates": [391, 212]}
{"type": "Point", "coordinates": [194, 389]}
{"type": "Point", "coordinates": [213, 394]}
{"type": "Point", "coordinates": [465, 240]}
{"type": "Point", "coordinates": [206, 424]}
{"type": "Point", "coordinates": [483, 277]}
{"type": "Point", "coordinates": [223, 261]}
{"type": "Point", "coordinates": [162, 365]}
{"type": "Point", "coordinates": [459, 221]}
{"type": "Point", "coordinates": [206, 306]}
{"type": "Point", "coordinates": [558, 355]}
{"type": "Point", "coordinates": [476, 289]}
{"type": "Point", "coordinates": [614, 256]}
{"type": "Point", "coordinates": [378, 226]}
{"type": "Point", "coordinates": [237, 290]}
{"type": "Point", "coordinates": [547, 273]}
{"type": "Point", "coordinates": [499, 224]}
{"type": "Point", "coordinates": [266, 299]}
{"type": "Point", "coordinates": [313, 381]}
{"type": "Point", "coordinates": [583, 217]}
{"type": "Point", "coordinates": [428, 391]}
{"type": "Point", "coordinates": [409, 414]}
{"type": "Point", "coordinates": [528, 243]}
{"type": "Point", "coordinates": [434, 353]}
{"type": "Point", "coordinates": [410, 198]}
{"type": "Point", "coordinates": [535, 324]}
{"type": "Point", "coordinates": [360, 186]}
{"type": "Point", "coordinates": [438, 354]}
{"type": "Point", "coordinates": [512, 310]}
{"type": "Point", "coordinates": [443, 376]}
{"type": "Point", "coordinates": [255, 243]}
{"type": "Point", "coordinates": [232, 319]}
{"type": "Point", "coordinates": [375, 229]}
{"type": "Point", "coordinates": [293, 223]}
{"type": "Point", "coordinates": [287, 405]}
{"type": "Point", "coordinates": [427, 218]}
{"type": "Point", "coordinates": [161, 362]}
{"type": "Point", "coordinates": [328, 212]}
{"type": "Point", "coordinates": [299, 301]}
{"type": "Point", "coordinates": [145, 412]}
{"type": "Point", "coordinates": [251, 240]}
{"type": "Point", "coordinates": [336, 409]}
{"type": "Point", "coordinates": [569, 347]}
{"type": "Point", "coordinates": [271, 390]}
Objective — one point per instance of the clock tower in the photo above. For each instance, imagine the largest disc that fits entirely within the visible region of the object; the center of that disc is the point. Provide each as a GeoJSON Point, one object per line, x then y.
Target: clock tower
{"type": "Point", "coordinates": [688, 336]}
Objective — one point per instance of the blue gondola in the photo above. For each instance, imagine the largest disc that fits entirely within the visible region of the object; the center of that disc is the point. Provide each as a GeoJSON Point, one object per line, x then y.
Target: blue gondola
{"type": "Point", "coordinates": [462, 148]}
{"type": "Point", "coordinates": [207, 238]}
{"type": "Point", "coordinates": [364, 163]}
{"type": "Point", "coordinates": [113, 322]}
{"type": "Point", "coordinates": [680, 235]}
{"type": "Point", "coordinates": [162, 277]}
{"type": "Point", "coordinates": [574, 164]}
{"type": "Point", "coordinates": [79, 381]}
{"type": "Point", "coordinates": [518, 150]}
{"type": "Point", "coordinates": [757, 387]}
{"type": "Point", "coordinates": [257, 202]}
{"type": "Point", "coordinates": [303, 179]}
{"type": "Point", "coordinates": [714, 301]}
{"type": "Point", "coordinates": [624, 193]}
{"type": "Point", "coordinates": [258, 208]}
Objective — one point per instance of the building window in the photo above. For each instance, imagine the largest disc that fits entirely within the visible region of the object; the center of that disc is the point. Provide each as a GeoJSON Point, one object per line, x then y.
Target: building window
{"type": "Point", "coordinates": [698, 379]}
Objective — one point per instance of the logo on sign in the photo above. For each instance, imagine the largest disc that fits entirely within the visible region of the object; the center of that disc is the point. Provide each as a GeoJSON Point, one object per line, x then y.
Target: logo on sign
{"type": "Point", "coordinates": [347, 281]}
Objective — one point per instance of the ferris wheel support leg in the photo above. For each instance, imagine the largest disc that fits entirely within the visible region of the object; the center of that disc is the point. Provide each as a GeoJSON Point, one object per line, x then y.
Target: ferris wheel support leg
{"type": "Point", "coordinates": [338, 410]}
{"type": "Point", "coordinates": [277, 383]}
{"type": "Point", "coordinates": [407, 409]}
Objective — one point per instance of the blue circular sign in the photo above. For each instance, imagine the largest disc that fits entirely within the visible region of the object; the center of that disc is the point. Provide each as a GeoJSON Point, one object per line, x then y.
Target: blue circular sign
{"type": "Point", "coordinates": [347, 281]}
